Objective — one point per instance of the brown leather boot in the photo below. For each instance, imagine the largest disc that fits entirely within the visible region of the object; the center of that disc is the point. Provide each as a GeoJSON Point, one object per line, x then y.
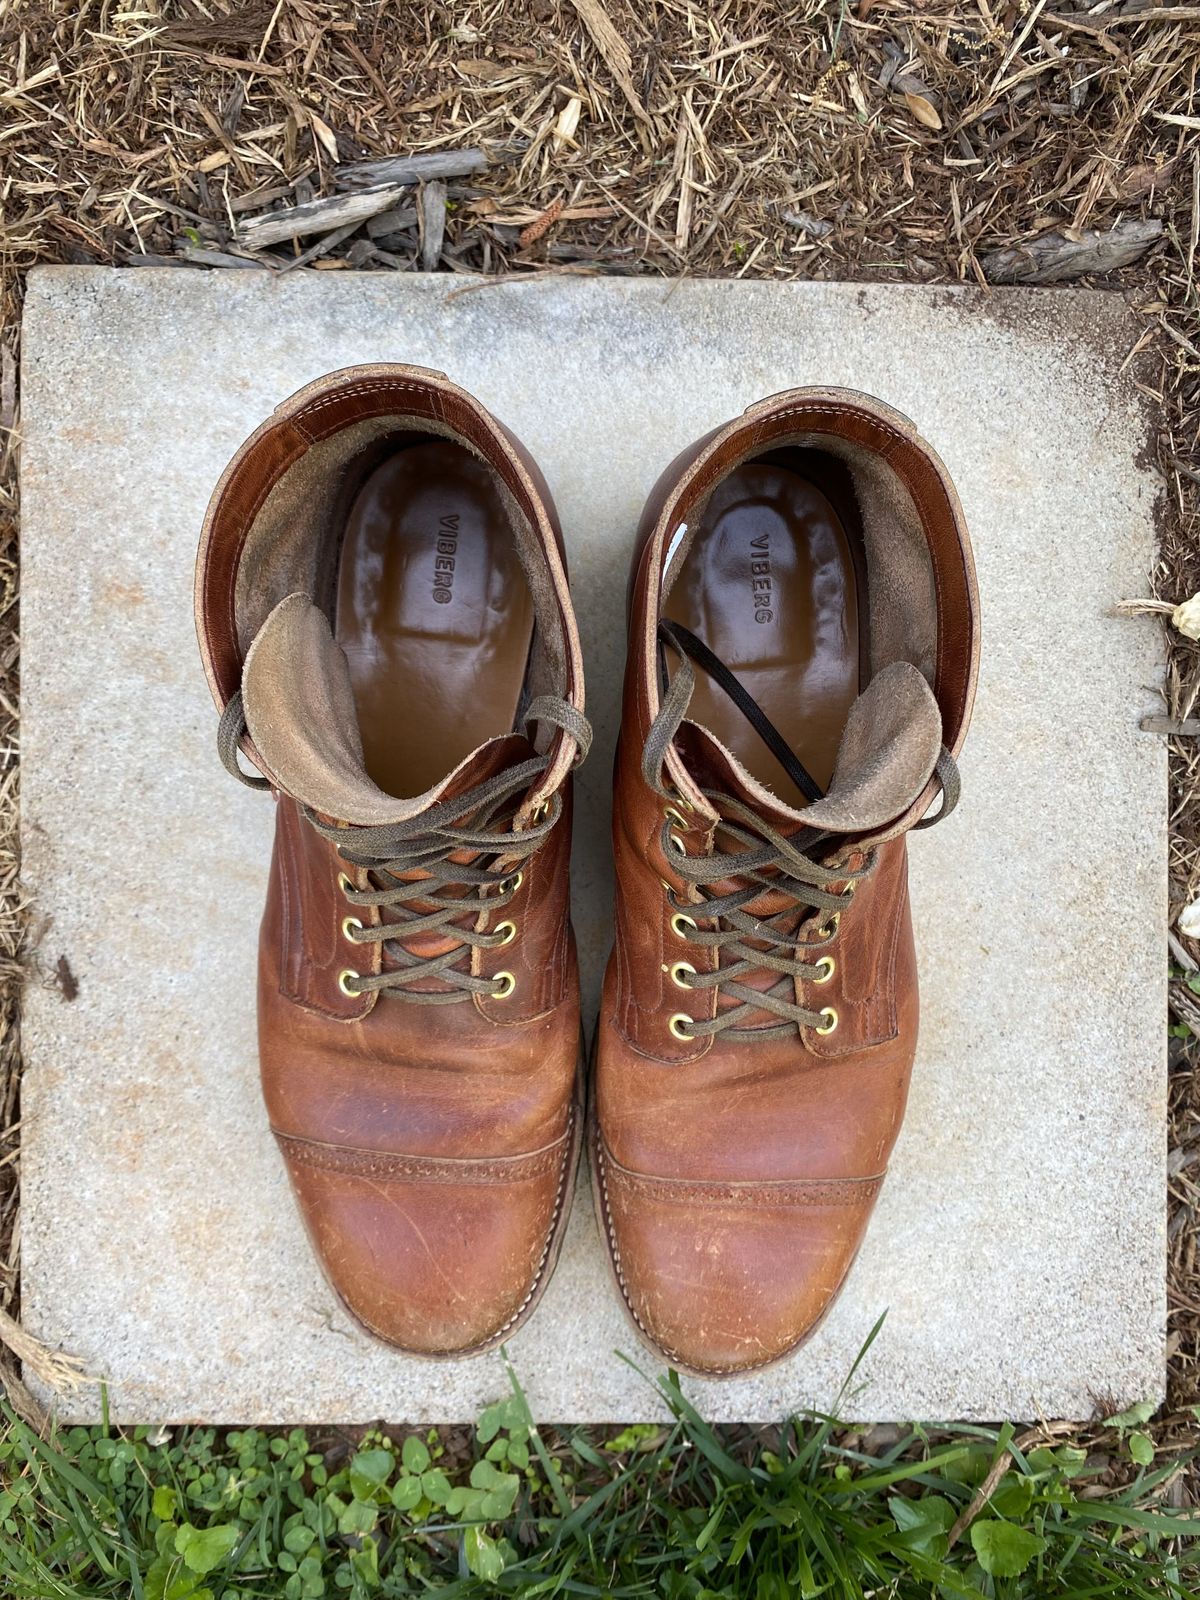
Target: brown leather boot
{"type": "Point", "coordinates": [384, 618]}
{"type": "Point", "coordinates": [802, 661]}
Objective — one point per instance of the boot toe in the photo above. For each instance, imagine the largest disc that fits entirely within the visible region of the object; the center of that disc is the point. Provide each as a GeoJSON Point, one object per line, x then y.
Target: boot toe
{"type": "Point", "coordinates": [431, 1259]}
{"type": "Point", "coordinates": [725, 1278]}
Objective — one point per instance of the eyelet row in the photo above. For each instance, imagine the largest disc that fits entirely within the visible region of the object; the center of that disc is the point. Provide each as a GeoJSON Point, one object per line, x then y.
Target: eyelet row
{"type": "Point", "coordinates": [350, 925]}
{"type": "Point", "coordinates": [680, 1020]}
{"type": "Point", "coordinates": [347, 975]}
{"type": "Point", "coordinates": [678, 970]}
{"type": "Point", "coordinates": [675, 816]}
{"type": "Point", "coordinates": [680, 922]}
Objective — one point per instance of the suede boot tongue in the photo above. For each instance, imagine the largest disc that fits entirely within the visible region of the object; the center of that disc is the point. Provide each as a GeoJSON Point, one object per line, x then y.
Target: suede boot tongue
{"type": "Point", "coordinates": [300, 712]}
{"type": "Point", "coordinates": [887, 755]}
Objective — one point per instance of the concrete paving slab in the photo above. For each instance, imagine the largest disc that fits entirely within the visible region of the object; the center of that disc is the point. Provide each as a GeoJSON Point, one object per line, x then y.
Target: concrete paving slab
{"type": "Point", "coordinates": [1019, 1246]}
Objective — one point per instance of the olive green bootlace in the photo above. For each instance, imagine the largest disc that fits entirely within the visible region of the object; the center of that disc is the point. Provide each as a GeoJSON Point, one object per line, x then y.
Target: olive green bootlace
{"type": "Point", "coordinates": [762, 861]}
{"type": "Point", "coordinates": [449, 892]}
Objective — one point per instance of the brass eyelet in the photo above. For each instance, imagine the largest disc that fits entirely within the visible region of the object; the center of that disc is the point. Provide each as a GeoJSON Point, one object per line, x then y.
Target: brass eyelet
{"type": "Point", "coordinates": [349, 924]}
{"type": "Point", "coordinates": [678, 924]}
{"type": "Point", "coordinates": [508, 929]}
{"type": "Point", "coordinates": [832, 1022]}
{"type": "Point", "coordinates": [677, 844]}
{"type": "Point", "coordinates": [344, 884]}
{"type": "Point", "coordinates": [826, 966]}
{"type": "Point", "coordinates": [344, 978]}
{"type": "Point", "coordinates": [848, 891]}
{"type": "Point", "coordinates": [679, 1021]}
{"type": "Point", "coordinates": [677, 817]}
{"type": "Point", "coordinates": [507, 984]}
{"type": "Point", "coordinates": [677, 969]}
{"type": "Point", "coordinates": [511, 885]}
{"type": "Point", "coordinates": [540, 810]}
{"type": "Point", "coordinates": [828, 929]}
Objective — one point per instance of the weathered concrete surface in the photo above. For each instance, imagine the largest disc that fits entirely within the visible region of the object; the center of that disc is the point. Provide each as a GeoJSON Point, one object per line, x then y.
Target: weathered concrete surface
{"type": "Point", "coordinates": [1019, 1246]}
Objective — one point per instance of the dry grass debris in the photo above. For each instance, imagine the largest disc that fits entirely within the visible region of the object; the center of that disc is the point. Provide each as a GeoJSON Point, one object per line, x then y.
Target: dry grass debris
{"type": "Point", "coordinates": [881, 139]}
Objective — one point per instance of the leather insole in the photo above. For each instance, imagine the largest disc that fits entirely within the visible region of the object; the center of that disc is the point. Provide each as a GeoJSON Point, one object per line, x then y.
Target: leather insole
{"type": "Point", "coordinates": [433, 612]}
{"type": "Point", "coordinates": [770, 584]}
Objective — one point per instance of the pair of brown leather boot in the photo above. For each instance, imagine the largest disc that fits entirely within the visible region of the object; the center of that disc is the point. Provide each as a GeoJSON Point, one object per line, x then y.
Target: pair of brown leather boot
{"type": "Point", "coordinates": [386, 625]}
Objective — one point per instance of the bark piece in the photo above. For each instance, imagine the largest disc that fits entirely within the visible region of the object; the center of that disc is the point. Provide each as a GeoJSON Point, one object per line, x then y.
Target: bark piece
{"type": "Point", "coordinates": [431, 216]}
{"type": "Point", "coordinates": [398, 220]}
{"type": "Point", "coordinates": [318, 216]}
{"type": "Point", "coordinates": [408, 170]}
{"type": "Point", "coordinates": [1055, 257]}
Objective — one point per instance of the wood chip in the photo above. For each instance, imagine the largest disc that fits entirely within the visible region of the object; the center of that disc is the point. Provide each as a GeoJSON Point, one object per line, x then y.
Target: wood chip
{"type": "Point", "coordinates": [568, 121]}
{"type": "Point", "coordinates": [8, 389]}
{"type": "Point", "coordinates": [806, 224]}
{"type": "Point", "coordinates": [1145, 177]}
{"type": "Point", "coordinates": [397, 220]}
{"type": "Point", "coordinates": [614, 50]}
{"type": "Point", "coordinates": [1187, 728]}
{"type": "Point", "coordinates": [431, 218]}
{"type": "Point", "coordinates": [923, 110]}
{"type": "Point", "coordinates": [318, 216]}
{"type": "Point", "coordinates": [1056, 257]}
{"type": "Point", "coordinates": [325, 134]}
{"type": "Point", "coordinates": [409, 170]}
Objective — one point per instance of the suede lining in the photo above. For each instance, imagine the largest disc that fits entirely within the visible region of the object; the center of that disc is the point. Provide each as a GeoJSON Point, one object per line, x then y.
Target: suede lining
{"type": "Point", "coordinates": [292, 545]}
{"type": "Point", "coordinates": [300, 712]}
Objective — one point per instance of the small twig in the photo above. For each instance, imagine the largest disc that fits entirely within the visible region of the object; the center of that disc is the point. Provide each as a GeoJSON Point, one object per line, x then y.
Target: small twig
{"type": "Point", "coordinates": [197, 257]}
{"type": "Point", "coordinates": [984, 1492]}
{"type": "Point", "coordinates": [1187, 728]}
{"type": "Point", "coordinates": [1142, 608]}
{"type": "Point", "coordinates": [56, 1370]}
{"type": "Point", "coordinates": [321, 248]}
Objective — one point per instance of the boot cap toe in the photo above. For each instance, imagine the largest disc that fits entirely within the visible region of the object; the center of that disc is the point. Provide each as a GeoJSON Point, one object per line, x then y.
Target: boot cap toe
{"type": "Point", "coordinates": [723, 1278]}
{"type": "Point", "coordinates": [438, 1258]}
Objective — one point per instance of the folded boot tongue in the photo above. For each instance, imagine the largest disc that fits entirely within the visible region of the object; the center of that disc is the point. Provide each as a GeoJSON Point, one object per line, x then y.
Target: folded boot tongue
{"type": "Point", "coordinates": [888, 752]}
{"type": "Point", "coordinates": [300, 712]}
